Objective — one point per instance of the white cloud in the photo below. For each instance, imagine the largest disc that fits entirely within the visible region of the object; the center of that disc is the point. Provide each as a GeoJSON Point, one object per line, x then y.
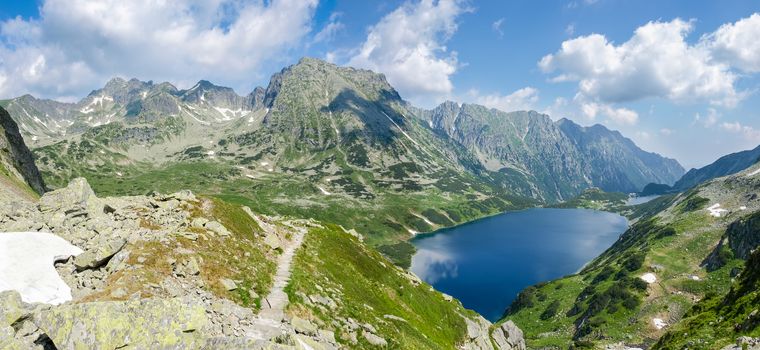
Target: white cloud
{"type": "Point", "coordinates": [496, 26]}
{"type": "Point", "coordinates": [622, 116]}
{"type": "Point", "coordinates": [737, 43]}
{"type": "Point", "coordinates": [333, 27]}
{"type": "Point", "coordinates": [655, 62]}
{"type": "Point", "coordinates": [708, 120]}
{"type": "Point", "coordinates": [666, 131]}
{"type": "Point", "coordinates": [643, 135]}
{"type": "Point", "coordinates": [748, 132]}
{"type": "Point", "coordinates": [78, 44]}
{"type": "Point", "coordinates": [570, 29]}
{"type": "Point", "coordinates": [408, 46]}
{"type": "Point", "coordinates": [520, 100]}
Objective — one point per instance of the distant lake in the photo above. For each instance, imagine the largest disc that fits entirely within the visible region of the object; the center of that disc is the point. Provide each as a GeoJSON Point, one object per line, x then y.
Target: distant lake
{"type": "Point", "coordinates": [640, 200]}
{"type": "Point", "coordinates": [485, 263]}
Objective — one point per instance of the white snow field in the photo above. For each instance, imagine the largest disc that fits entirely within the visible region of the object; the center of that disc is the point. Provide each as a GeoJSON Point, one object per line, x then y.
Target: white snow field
{"type": "Point", "coordinates": [26, 266]}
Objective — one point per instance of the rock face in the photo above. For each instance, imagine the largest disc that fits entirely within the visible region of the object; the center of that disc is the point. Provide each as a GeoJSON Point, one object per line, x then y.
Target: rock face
{"type": "Point", "coordinates": [744, 235]}
{"type": "Point", "coordinates": [559, 159]}
{"type": "Point", "coordinates": [508, 336]}
{"type": "Point", "coordinates": [15, 157]}
{"type": "Point", "coordinates": [140, 324]}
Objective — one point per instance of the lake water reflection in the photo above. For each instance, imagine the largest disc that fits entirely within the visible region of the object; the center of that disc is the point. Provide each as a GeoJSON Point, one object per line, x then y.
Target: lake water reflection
{"type": "Point", "coordinates": [487, 262]}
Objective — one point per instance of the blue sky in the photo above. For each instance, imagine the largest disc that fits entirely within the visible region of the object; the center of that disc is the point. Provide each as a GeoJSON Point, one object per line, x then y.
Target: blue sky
{"type": "Point", "coordinates": [678, 77]}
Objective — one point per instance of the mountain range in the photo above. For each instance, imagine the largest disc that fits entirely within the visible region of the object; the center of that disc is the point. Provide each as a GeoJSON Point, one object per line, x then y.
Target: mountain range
{"type": "Point", "coordinates": [341, 146]}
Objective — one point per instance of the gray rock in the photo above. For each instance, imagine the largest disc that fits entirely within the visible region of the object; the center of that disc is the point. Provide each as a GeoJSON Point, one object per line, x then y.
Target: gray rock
{"type": "Point", "coordinates": [217, 228]}
{"type": "Point", "coordinates": [8, 340]}
{"type": "Point", "coordinates": [199, 222]}
{"type": "Point", "coordinates": [99, 255]}
{"type": "Point", "coordinates": [11, 307]}
{"type": "Point", "coordinates": [228, 284]}
{"type": "Point", "coordinates": [374, 339]}
{"type": "Point", "coordinates": [302, 326]}
{"type": "Point", "coordinates": [72, 197]}
{"type": "Point", "coordinates": [272, 240]}
{"type": "Point", "coordinates": [184, 196]}
{"type": "Point", "coordinates": [508, 337]}
{"type": "Point", "coordinates": [140, 324]}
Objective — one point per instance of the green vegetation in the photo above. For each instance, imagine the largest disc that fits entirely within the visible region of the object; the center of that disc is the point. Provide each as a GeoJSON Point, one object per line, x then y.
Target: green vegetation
{"type": "Point", "coordinates": [717, 321]}
{"type": "Point", "coordinates": [367, 289]}
{"type": "Point", "coordinates": [384, 219]}
{"type": "Point", "coordinates": [241, 257]}
{"type": "Point", "coordinates": [595, 198]}
{"type": "Point", "coordinates": [608, 302]}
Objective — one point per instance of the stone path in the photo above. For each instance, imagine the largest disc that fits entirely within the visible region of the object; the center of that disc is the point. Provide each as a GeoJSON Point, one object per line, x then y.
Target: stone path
{"type": "Point", "coordinates": [269, 322]}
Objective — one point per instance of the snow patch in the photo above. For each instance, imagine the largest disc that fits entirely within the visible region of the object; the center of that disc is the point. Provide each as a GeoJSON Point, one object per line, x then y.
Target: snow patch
{"type": "Point", "coordinates": [119, 174]}
{"type": "Point", "coordinates": [26, 265]}
{"type": "Point", "coordinates": [754, 173]}
{"type": "Point", "coordinates": [250, 176]}
{"type": "Point", "coordinates": [716, 211]}
{"type": "Point", "coordinates": [649, 278]}
{"type": "Point", "coordinates": [743, 208]}
{"type": "Point", "coordinates": [659, 323]}
{"type": "Point", "coordinates": [210, 153]}
{"type": "Point", "coordinates": [694, 278]}
{"type": "Point", "coordinates": [324, 191]}
{"type": "Point", "coordinates": [402, 130]}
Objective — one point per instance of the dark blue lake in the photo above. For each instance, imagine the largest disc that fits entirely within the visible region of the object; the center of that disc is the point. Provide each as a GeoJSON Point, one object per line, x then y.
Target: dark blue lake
{"type": "Point", "coordinates": [485, 263]}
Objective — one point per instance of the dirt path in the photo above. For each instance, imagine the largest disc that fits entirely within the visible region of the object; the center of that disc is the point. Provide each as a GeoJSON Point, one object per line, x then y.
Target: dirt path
{"type": "Point", "coordinates": [269, 322]}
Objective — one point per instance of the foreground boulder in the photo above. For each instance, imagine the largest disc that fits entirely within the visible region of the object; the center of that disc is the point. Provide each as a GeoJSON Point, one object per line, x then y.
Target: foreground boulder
{"type": "Point", "coordinates": [140, 324]}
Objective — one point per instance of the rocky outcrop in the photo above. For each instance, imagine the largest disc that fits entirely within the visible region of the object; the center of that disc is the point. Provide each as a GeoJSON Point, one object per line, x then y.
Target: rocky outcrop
{"type": "Point", "coordinates": [744, 235]}
{"type": "Point", "coordinates": [140, 324]}
{"type": "Point", "coordinates": [15, 157]}
{"type": "Point", "coordinates": [508, 336]}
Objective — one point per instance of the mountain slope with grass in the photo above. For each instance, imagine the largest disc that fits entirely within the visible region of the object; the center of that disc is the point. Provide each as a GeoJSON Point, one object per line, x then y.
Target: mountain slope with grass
{"type": "Point", "coordinates": [337, 144]}
{"type": "Point", "coordinates": [556, 160]}
{"type": "Point", "coordinates": [682, 249]}
{"type": "Point", "coordinates": [183, 271]}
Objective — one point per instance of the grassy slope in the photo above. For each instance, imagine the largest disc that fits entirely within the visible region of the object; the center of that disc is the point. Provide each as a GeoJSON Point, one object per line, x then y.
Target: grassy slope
{"type": "Point", "coordinates": [242, 256]}
{"type": "Point", "coordinates": [606, 303]}
{"type": "Point", "coordinates": [366, 288]}
{"type": "Point", "coordinates": [384, 219]}
{"type": "Point", "coordinates": [717, 321]}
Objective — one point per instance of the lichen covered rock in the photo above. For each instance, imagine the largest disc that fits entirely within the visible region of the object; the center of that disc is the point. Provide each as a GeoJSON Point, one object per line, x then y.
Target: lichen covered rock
{"type": "Point", "coordinates": [141, 324]}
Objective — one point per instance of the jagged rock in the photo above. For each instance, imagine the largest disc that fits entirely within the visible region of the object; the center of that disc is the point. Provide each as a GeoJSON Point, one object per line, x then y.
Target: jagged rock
{"type": "Point", "coordinates": [228, 284]}
{"type": "Point", "coordinates": [99, 255]}
{"type": "Point", "coordinates": [199, 222]}
{"type": "Point", "coordinates": [744, 343]}
{"type": "Point", "coordinates": [302, 326]}
{"type": "Point", "coordinates": [19, 159]}
{"type": "Point", "coordinates": [217, 228]}
{"type": "Point", "coordinates": [374, 339]}
{"type": "Point", "coordinates": [8, 340]}
{"type": "Point", "coordinates": [477, 334]}
{"type": "Point", "coordinates": [184, 196]}
{"type": "Point", "coordinates": [327, 336]}
{"type": "Point", "coordinates": [11, 307]}
{"type": "Point", "coordinates": [271, 240]}
{"type": "Point", "coordinates": [141, 324]}
{"type": "Point", "coordinates": [509, 337]}
{"type": "Point", "coordinates": [72, 197]}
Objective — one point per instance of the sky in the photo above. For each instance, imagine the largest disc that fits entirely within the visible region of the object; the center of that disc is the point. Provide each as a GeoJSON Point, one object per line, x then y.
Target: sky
{"type": "Point", "coordinates": [679, 77]}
